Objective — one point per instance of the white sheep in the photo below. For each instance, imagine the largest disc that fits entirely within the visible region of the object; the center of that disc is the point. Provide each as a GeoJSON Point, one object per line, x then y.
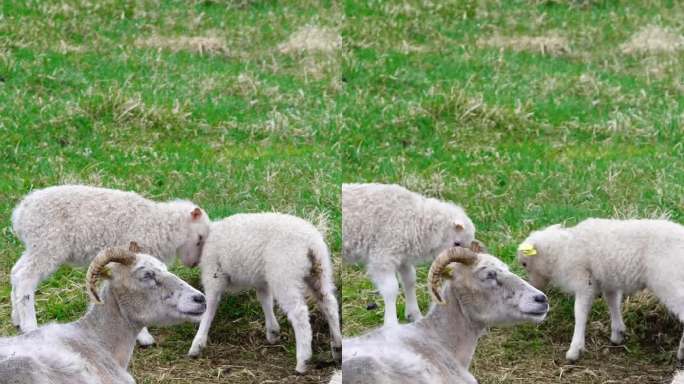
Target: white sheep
{"type": "Point", "coordinates": [282, 257]}
{"type": "Point", "coordinates": [72, 223]}
{"type": "Point", "coordinates": [97, 348]}
{"type": "Point", "coordinates": [390, 229]}
{"type": "Point", "coordinates": [612, 257]}
{"type": "Point", "coordinates": [479, 292]}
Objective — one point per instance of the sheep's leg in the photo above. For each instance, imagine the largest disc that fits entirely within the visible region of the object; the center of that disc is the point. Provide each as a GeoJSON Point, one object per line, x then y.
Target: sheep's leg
{"type": "Point", "coordinates": [272, 328]}
{"type": "Point", "coordinates": [408, 280]}
{"type": "Point", "coordinates": [145, 339]}
{"type": "Point", "coordinates": [327, 303]}
{"type": "Point", "coordinates": [389, 289]}
{"type": "Point", "coordinates": [617, 326]}
{"type": "Point", "coordinates": [583, 302]}
{"type": "Point", "coordinates": [213, 296]}
{"type": "Point", "coordinates": [680, 353]}
{"type": "Point", "coordinates": [26, 275]}
{"type": "Point", "coordinates": [294, 304]}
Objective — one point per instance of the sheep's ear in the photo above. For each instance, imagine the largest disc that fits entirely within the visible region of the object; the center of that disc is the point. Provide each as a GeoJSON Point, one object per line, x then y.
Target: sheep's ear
{"type": "Point", "coordinates": [196, 213]}
{"type": "Point", "coordinates": [134, 247]}
{"type": "Point", "coordinates": [458, 226]}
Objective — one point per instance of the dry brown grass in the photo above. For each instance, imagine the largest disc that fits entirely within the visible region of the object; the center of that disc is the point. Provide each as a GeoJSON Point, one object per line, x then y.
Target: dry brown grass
{"type": "Point", "coordinates": [312, 39]}
{"type": "Point", "coordinates": [553, 44]}
{"type": "Point", "coordinates": [653, 39]}
{"type": "Point", "coordinates": [195, 44]}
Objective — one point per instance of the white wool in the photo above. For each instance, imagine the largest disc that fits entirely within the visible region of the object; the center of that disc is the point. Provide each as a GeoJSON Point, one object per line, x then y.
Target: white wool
{"type": "Point", "coordinates": [72, 223]}
{"type": "Point", "coordinates": [678, 379]}
{"type": "Point", "coordinates": [272, 253]}
{"type": "Point", "coordinates": [390, 229]}
{"type": "Point", "coordinates": [613, 258]}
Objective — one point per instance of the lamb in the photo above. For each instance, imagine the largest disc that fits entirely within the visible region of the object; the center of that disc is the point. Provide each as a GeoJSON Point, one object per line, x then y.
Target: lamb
{"type": "Point", "coordinates": [609, 257]}
{"type": "Point", "coordinates": [390, 229]}
{"type": "Point", "coordinates": [72, 223]}
{"type": "Point", "coordinates": [282, 257]}
{"type": "Point", "coordinates": [96, 349]}
{"type": "Point", "coordinates": [480, 292]}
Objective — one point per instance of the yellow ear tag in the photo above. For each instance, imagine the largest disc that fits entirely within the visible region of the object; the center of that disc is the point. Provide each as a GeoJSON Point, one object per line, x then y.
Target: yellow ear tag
{"type": "Point", "coordinates": [527, 249]}
{"type": "Point", "coordinates": [447, 273]}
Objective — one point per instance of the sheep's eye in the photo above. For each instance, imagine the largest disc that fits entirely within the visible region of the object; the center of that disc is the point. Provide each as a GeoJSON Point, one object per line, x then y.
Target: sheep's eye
{"type": "Point", "coordinates": [491, 275]}
{"type": "Point", "coordinates": [200, 241]}
{"type": "Point", "coordinates": [524, 264]}
{"type": "Point", "coordinates": [149, 275]}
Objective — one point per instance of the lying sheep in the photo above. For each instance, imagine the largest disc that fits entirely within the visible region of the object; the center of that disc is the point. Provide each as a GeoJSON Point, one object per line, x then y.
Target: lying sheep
{"type": "Point", "coordinates": [480, 292]}
{"type": "Point", "coordinates": [609, 257]}
{"type": "Point", "coordinates": [97, 348]}
{"type": "Point", "coordinates": [283, 257]}
{"type": "Point", "coordinates": [72, 223]}
{"type": "Point", "coordinates": [390, 229]}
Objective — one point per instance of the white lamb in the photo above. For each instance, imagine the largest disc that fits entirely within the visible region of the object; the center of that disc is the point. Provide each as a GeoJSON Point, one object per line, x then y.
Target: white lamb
{"type": "Point", "coordinates": [72, 223]}
{"type": "Point", "coordinates": [390, 229]}
{"type": "Point", "coordinates": [282, 257]}
{"type": "Point", "coordinates": [612, 257]}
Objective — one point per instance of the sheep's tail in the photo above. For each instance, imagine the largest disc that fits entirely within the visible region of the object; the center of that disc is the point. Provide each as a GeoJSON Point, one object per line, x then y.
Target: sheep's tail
{"type": "Point", "coordinates": [319, 279]}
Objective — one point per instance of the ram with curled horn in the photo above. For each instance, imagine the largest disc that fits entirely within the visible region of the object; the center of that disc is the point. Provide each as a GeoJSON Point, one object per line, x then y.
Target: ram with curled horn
{"type": "Point", "coordinates": [481, 292]}
{"type": "Point", "coordinates": [141, 292]}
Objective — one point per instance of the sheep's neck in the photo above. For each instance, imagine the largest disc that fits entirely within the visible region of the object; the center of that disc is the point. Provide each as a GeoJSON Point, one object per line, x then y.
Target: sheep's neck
{"type": "Point", "coordinates": [114, 331]}
{"type": "Point", "coordinates": [454, 330]}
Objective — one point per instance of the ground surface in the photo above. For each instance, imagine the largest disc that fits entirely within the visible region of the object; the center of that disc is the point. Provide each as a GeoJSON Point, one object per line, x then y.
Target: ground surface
{"type": "Point", "coordinates": [528, 113]}
{"type": "Point", "coordinates": [228, 103]}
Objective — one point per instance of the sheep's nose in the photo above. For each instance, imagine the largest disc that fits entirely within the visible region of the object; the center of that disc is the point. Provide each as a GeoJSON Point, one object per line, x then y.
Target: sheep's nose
{"type": "Point", "coordinates": [199, 299]}
{"type": "Point", "coordinates": [457, 244]}
{"type": "Point", "coordinates": [541, 299]}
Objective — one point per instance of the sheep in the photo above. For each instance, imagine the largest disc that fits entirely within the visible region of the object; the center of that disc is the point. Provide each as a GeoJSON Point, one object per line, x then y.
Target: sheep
{"type": "Point", "coordinates": [72, 223]}
{"type": "Point", "coordinates": [336, 378]}
{"type": "Point", "coordinates": [678, 379]}
{"type": "Point", "coordinates": [479, 292]}
{"type": "Point", "coordinates": [390, 229]}
{"type": "Point", "coordinates": [96, 349]}
{"type": "Point", "coordinates": [612, 258]}
{"type": "Point", "coordinates": [282, 257]}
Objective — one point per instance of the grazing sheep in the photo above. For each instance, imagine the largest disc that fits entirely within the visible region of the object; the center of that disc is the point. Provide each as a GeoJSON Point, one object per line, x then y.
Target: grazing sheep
{"type": "Point", "coordinates": [612, 257]}
{"type": "Point", "coordinates": [72, 223]}
{"type": "Point", "coordinates": [97, 348]}
{"type": "Point", "coordinates": [283, 257]}
{"type": "Point", "coordinates": [390, 229]}
{"type": "Point", "coordinates": [480, 292]}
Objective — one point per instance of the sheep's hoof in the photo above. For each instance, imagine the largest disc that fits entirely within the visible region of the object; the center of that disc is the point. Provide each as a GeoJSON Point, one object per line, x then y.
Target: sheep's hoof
{"type": "Point", "coordinates": [619, 340]}
{"type": "Point", "coordinates": [144, 341]}
{"type": "Point", "coordinates": [272, 336]}
{"type": "Point", "coordinates": [301, 368]}
{"type": "Point", "coordinates": [572, 357]}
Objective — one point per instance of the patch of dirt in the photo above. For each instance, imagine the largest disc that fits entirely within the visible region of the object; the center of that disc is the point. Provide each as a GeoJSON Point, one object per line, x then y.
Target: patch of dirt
{"type": "Point", "coordinates": [653, 39]}
{"type": "Point", "coordinates": [312, 39]}
{"type": "Point", "coordinates": [546, 45]}
{"type": "Point", "coordinates": [195, 44]}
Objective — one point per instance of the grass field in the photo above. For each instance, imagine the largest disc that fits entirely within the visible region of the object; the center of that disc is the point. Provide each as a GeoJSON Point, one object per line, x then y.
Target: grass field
{"type": "Point", "coordinates": [527, 113]}
{"type": "Point", "coordinates": [216, 101]}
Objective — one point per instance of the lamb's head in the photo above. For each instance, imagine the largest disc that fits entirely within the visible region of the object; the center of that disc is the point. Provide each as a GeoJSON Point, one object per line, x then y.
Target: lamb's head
{"type": "Point", "coordinates": [457, 230]}
{"type": "Point", "coordinates": [537, 253]}
{"type": "Point", "coordinates": [147, 293]}
{"type": "Point", "coordinates": [197, 226]}
{"type": "Point", "coordinates": [484, 288]}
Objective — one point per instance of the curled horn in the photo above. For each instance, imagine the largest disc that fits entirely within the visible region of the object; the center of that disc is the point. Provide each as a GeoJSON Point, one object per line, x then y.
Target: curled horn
{"type": "Point", "coordinates": [106, 256]}
{"type": "Point", "coordinates": [451, 255]}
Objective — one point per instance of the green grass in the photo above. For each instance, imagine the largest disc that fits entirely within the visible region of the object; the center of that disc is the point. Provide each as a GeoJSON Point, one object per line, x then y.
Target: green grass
{"type": "Point", "coordinates": [447, 99]}
{"type": "Point", "coordinates": [108, 93]}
